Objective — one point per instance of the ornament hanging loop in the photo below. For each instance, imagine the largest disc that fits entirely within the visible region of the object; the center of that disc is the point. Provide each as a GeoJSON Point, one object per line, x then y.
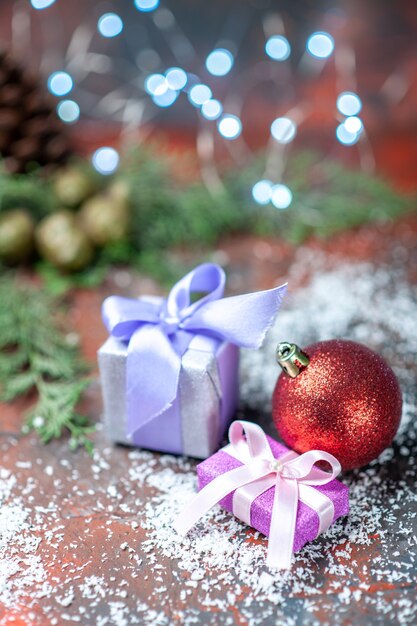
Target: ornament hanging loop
{"type": "Point", "coordinates": [290, 358]}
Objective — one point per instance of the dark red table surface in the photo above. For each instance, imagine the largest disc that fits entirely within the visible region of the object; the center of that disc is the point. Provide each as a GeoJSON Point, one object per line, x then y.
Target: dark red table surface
{"type": "Point", "coordinates": [77, 543]}
{"type": "Point", "coordinates": [79, 536]}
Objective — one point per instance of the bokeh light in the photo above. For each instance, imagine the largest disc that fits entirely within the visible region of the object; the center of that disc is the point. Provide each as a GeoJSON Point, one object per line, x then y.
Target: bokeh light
{"type": "Point", "coordinates": [353, 124]}
{"type": "Point", "coordinates": [281, 196]}
{"type": "Point", "coordinates": [346, 137]}
{"type": "Point", "coordinates": [41, 4]}
{"type": "Point", "coordinates": [211, 109]}
{"type": "Point", "coordinates": [230, 126]}
{"type": "Point", "coordinates": [278, 48]}
{"type": "Point", "coordinates": [156, 84]}
{"type": "Point", "coordinates": [262, 191]}
{"type": "Point", "coordinates": [60, 83]}
{"type": "Point", "coordinates": [320, 45]}
{"type": "Point", "coordinates": [165, 99]}
{"type": "Point", "coordinates": [349, 103]}
{"type": "Point", "coordinates": [219, 62]}
{"type": "Point", "coordinates": [68, 111]}
{"type": "Point", "coordinates": [110, 25]}
{"type": "Point", "coordinates": [105, 160]}
{"type": "Point", "coordinates": [199, 94]}
{"type": "Point", "coordinates": [283, 129]}
{"type": "Point", "coordinates": [176, 78]}
{"type": "Point", "coordinates": [146, 5]}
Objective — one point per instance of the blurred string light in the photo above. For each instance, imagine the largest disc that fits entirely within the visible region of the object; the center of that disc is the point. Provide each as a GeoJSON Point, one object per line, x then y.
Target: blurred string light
{"type": "Point", "coordinates": [164, 89]}
{"type": "Point", "coordinates": [105, 160]}
{"type": "Point", "coordinates": [146, 5]}
{"type": "Point", "coordinates": [346, 136]}
{"type": "Point", "coordinates": [60, 83]}
{"type": "Point", "coordinates": [165, 99]}
{"type": "Point", "coordinates": [41, 4]}
{"type": "Point", "coordinates": [68, 111]}
{"type": "Point", "coordinates": [278, 48]}
{"type": "Point", "coordinates": [199, 94]}
{"type": "Point", "coordinates": [156, 84]}
{"type": "Point", "coordinates": [230, 126]}
{"type": "Point", "coordinates": [349, 131]}
{"type": "Point", "coordinates": [262, 191]}
{"type": "Point", "coordinates": [110, 25]}
{"type": "Point", "coordinates": [176, 78]}
{"type": "Point", "coordinates": [281, 196]}
{"type": "Point", "coordinates": [353, 124]}
{"type": "Point", "coordinates": [320, 45]}
{"type": "Point", "coordinates": [349, 103]}
{"type": "Point", "coordinates": [283, 129]}
{"type": "Point", "coordinates": [219, 62]}
{"type": "Point", "coordinates": [211, 109]}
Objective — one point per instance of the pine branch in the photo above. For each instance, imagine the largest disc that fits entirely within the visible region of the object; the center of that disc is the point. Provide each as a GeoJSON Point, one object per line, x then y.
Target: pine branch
{"type": "Point", "coordinates": [167, 213]}
{"type": "Point", "coordinates": [30, 191]}
{"type": "Point", "coordinates": [37, 356]}
{"type": "Point", "coordinates": [327, 198]}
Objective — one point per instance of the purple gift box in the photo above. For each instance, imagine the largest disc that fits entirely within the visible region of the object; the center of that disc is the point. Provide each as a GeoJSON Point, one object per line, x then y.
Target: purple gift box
{"type": "Point", "coordinates": [307, 521]}
{"type": "Point", "coordinates": [196, 421]}
{"type": "Point", "coordinates": [169, 369]}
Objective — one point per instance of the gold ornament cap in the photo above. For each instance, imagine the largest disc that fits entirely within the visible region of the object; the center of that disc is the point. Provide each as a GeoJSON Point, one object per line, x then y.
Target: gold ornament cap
{"type": "Point", "coordinates": [290, 358]}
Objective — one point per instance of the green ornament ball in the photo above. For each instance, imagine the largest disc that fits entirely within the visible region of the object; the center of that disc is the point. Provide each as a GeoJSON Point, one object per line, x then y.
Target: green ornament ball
{"type": "Point", "coordinates": [60, 241]}
{"type": "Point", "coordinates": [105, 219]}
{"type": "Point", "coordinates": [120, 189]}
{"type": "Point", "coordinates": [72, 186]}
{"type": "Point", "coordinates": [16, 235]}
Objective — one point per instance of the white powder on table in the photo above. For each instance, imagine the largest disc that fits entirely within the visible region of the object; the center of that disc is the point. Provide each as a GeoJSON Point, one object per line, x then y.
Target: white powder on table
{"type": "Point", "coordinates": [84, 551]}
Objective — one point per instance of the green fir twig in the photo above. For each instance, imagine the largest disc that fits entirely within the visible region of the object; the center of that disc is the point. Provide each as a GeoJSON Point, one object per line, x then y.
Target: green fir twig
{"type": "Point", "coordinates": [327, 198]}
{"type": "Point", "coordinates": [31, 191]}
{"type": "Point", "coordinates": [168, 214]}
{"type": "Point", "coordinates": [36, 355]}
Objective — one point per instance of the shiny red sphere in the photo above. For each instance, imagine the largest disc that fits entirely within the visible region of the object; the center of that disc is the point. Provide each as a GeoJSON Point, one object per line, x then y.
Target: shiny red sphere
{"type": "Point", "coordinates": [346, 401]}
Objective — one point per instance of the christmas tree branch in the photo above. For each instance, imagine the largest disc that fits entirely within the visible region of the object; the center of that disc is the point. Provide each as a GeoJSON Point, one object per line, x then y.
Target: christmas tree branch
{"type": "Point", "coordinates": [37, 355]}
{"type": "Point", "coordinates": [166, 213]}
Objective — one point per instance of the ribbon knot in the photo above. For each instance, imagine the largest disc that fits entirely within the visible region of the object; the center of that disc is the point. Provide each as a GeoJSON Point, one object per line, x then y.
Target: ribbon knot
{"type": "Point", "coordinates": [170, 325]}
{"type": "Point", "coordinates": [159, 332]}
{"type": "Point", "coordinates": [276, 466]}
{"type": "Point", "coordinates": [293, 477]}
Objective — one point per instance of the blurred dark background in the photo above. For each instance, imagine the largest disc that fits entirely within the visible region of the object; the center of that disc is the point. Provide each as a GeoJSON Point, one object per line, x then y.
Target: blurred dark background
{"type": "Point", "coordinates": [375, 56]}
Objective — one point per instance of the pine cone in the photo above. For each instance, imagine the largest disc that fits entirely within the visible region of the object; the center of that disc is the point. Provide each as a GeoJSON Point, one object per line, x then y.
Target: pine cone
{"type": "Point", "coordinates": [30, 131]}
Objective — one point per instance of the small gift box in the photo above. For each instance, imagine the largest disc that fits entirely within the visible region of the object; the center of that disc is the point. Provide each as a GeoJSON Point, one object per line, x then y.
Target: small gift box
{"type": "Point", "coordinates": [274, 490]}
{"type": "Point", "coordinates": [169, 370]}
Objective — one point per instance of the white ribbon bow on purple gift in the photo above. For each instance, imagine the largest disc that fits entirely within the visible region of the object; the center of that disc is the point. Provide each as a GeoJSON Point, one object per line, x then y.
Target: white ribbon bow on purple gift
{"type": "Point", "coordinates": [159, 333]}
{"type": "Point", "coordinates": [293, 476]}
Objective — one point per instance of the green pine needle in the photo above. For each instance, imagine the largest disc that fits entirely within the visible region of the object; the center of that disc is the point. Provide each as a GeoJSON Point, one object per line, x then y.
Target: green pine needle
{"type": "Point", "coordinates": [37, 356]}
{"type": "Point", "coordinates": [167, 214]}
{"type": "Point", "coordinates": [327, 198]}
{"type": "Point", "coordinates": [29, 191]}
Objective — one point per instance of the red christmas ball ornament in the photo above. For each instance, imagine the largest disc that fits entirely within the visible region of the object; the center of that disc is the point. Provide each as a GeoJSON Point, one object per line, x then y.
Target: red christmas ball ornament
{"type": "Point", "coordinates": [336, 396]}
